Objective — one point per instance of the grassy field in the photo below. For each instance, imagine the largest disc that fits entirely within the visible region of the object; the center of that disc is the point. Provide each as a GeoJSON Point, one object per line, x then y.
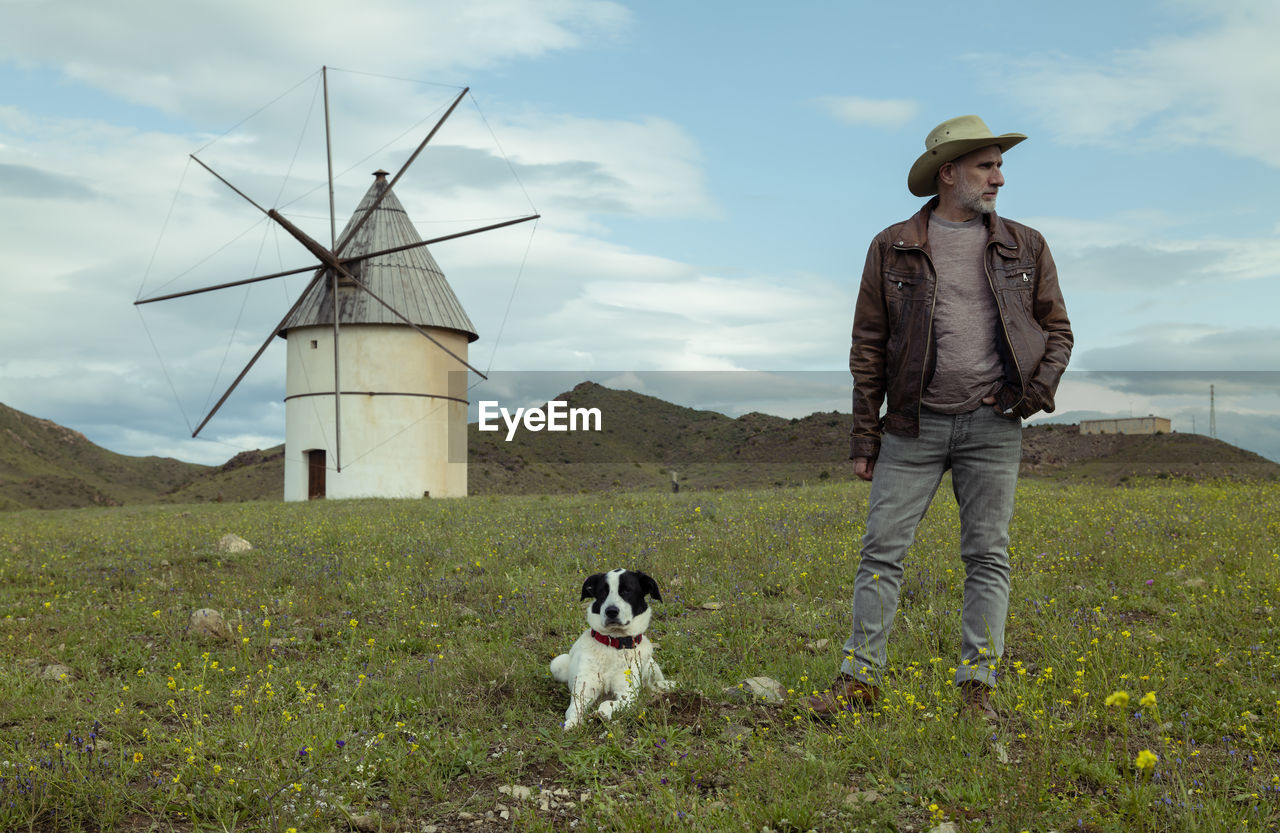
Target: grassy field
{"type": "Point", "coordinates": [386, 667]}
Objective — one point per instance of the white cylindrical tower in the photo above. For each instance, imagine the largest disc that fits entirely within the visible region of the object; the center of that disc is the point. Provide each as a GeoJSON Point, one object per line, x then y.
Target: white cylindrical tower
{"type": "Point", "coordinates": [399, 428]}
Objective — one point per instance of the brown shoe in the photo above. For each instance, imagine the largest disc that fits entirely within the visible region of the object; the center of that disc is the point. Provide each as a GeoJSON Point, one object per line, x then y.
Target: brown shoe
{"type": "Point", "coordinates": [975, 700]}
{"type": "Point", "coordinates": [845, 695]}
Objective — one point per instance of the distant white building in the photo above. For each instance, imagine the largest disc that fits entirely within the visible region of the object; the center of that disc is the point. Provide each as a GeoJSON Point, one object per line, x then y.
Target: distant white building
{"type": "Point", "coordinates": [1131, 425]}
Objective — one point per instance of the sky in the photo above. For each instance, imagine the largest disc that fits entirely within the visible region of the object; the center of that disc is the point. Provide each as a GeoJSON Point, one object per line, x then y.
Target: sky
{"type": "Point", "coordinates": [708, 176]}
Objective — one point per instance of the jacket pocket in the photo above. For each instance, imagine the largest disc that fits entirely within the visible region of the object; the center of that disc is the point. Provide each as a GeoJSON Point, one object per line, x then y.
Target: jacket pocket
{"type": "Point", "coordinates": [908, 285]}
{"type": "Point", "coordinates": [903, 290]}
{"type": "Point", "coordinates": [1014, 276]}
{"type": "Point", "coordinates": [1014, 284]}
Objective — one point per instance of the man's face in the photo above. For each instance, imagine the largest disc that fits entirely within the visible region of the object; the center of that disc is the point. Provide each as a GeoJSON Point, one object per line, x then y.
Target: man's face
{"type": "Point", "coordinates": [977, 179]}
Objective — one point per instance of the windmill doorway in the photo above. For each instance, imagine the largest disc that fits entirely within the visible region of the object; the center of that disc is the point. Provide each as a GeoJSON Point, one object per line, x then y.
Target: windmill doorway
{"type": "Point", "coordinates": [315, 474]}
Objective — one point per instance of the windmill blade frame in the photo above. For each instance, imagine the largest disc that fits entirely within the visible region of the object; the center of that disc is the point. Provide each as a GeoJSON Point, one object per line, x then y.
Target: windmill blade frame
{"type": "Point", "coordinates": [324, 296]}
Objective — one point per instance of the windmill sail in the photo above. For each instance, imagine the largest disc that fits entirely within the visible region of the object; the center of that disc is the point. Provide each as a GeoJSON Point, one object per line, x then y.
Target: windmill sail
{"type": "Point", "coordinates": [404, 400]}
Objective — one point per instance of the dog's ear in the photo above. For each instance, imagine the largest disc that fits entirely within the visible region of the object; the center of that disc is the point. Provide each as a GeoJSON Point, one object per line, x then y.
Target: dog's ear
{"type": "Point", "coordinates": [590, 585]}
{"type": "Point", "coordinates": [649, 586]}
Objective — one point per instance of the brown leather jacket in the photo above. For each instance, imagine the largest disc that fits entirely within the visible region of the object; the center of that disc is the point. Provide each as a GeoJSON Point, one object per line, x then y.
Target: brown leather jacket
{"type": "Point", "coordinates": [893, 351]}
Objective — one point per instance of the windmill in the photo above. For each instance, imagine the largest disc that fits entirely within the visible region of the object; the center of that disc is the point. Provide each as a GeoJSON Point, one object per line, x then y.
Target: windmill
{"type": "Point", "coordinates": [379, 335]}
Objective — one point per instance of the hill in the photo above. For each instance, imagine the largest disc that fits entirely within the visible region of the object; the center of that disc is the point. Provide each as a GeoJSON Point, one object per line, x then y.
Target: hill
{"type": "Point", "coordinates": [1061, 451]}
{"type": "Point", "coordinates": [644, 443]}
{"type": "Point", "coordinates": [250, 475]}
{"type": "Point", "coordinates": [44, 465]}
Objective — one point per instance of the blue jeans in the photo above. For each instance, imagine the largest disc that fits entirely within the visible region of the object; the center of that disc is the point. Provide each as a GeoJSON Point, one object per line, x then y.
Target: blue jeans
{"type": "Point", "coordinates": [983, 450]}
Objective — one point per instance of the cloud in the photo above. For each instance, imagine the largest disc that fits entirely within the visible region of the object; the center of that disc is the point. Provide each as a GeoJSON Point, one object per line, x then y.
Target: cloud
{"type": "Point", "coordinates": [1242, 384]}
{"type": "Point", "coordinates": [30, 183]}
{"type": "Point", "coordinates": [651, 166]}
{"type": "Point", "coordinates": [1198, 89]}
{"type": "Point", "coordinates": [589, 304]}
{"type": "Point", "coordinates": [874, 112]}
{"type": "Point", "coordinates": [218, 59]}
{"type": "Point", "coordinates": [692, 324]}
{"type": "Point", "coordinates": [1190, 347]}
{"type": "Point", "coordinates": [576, 171]}
{"type": "Point", "coordinates": [1165, 263]}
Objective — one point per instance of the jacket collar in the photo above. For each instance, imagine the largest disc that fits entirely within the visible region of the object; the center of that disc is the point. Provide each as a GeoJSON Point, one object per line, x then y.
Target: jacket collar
{"type": "Point", "coordinates": [914, 233]}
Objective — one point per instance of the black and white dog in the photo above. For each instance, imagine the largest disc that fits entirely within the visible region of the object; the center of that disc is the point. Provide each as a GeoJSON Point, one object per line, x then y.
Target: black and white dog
{"type": "Point", "coordinates": [612, 656]}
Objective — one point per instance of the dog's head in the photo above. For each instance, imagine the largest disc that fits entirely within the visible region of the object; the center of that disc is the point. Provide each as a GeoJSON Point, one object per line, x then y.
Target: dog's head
{"type": "Point", "coordinates": [619, 606]}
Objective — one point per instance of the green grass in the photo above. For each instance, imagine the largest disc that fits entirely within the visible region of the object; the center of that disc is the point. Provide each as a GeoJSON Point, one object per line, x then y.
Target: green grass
{"type": "Point", "coordinates": [389, 667]}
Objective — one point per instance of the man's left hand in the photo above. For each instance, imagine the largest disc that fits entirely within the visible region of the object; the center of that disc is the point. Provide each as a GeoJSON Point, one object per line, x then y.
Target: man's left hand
{"type": "Point", "coordinates": [991, 400]}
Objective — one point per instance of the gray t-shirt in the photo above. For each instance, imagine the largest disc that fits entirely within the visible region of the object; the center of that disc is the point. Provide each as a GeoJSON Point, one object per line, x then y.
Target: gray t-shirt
{"type": "Point", "coordinates": [965, 319]}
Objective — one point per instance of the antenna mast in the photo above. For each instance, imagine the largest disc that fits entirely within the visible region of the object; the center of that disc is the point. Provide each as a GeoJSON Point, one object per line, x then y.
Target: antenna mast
{"type": "Point", "coordinates": [1213, 419]}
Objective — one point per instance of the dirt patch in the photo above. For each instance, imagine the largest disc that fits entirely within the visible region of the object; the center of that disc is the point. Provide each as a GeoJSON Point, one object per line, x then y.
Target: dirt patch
{"type": "Point", "coordinates": [687, 709]}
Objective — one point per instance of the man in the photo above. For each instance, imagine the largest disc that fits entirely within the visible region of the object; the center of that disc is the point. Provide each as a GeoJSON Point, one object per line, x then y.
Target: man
{"type": "Point", "coordinates": [961, 327]}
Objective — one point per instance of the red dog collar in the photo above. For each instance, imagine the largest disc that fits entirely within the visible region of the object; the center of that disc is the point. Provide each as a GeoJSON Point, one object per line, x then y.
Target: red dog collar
{"type": "Point", "coordinates": [617, 641]}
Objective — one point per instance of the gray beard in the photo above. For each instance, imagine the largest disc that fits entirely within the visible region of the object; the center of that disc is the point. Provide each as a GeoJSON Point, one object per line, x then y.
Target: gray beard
{"type": "Point", "coordinates": [973, 201]}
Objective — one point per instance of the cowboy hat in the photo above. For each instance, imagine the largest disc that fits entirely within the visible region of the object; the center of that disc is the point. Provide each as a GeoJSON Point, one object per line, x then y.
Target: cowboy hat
{"type": "Point", "coordinates": [948, 142]}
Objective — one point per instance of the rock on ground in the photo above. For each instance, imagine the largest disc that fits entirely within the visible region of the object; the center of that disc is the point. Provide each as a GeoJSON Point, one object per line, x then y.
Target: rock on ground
{"type": "Point", "coordinates": [759, 688]}
{"type": "Point", "coordinates": [56, 671]}
{"type": "Point", "coordinates": [233, 543]}
{"type": "Point", "coordinates": [209, 624]}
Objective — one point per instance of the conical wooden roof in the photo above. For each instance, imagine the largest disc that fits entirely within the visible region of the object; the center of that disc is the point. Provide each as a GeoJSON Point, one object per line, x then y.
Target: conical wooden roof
{"type": "Point", "coordinates": [410, 280]}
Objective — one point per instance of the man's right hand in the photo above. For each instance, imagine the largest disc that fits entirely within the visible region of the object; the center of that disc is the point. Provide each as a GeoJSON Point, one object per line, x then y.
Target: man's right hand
{"type": "Point", "coordinates": [864, 467]}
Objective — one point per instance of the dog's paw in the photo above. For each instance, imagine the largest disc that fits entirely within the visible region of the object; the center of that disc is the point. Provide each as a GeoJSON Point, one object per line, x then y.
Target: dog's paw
{"type": "Point", "coordinates": [606, 709]}
{"type": "Point", "coordinates": [665, 685]}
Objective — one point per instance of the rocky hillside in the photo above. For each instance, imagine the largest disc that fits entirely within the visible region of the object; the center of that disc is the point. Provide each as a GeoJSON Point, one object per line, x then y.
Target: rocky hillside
{"type": "Point", "coordinates": [44, 465]}
{"type": "Point", "coordinates": [1062, 451]}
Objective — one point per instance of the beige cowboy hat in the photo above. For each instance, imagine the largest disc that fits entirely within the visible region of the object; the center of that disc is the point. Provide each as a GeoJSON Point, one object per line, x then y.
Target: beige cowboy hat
{"type": "Point", "coordinates": [948, 142]}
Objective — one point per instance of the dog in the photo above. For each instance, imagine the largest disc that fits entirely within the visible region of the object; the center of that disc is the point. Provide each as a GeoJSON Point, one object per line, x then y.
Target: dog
{"type": "Point", "coordinates": [612, 657]}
